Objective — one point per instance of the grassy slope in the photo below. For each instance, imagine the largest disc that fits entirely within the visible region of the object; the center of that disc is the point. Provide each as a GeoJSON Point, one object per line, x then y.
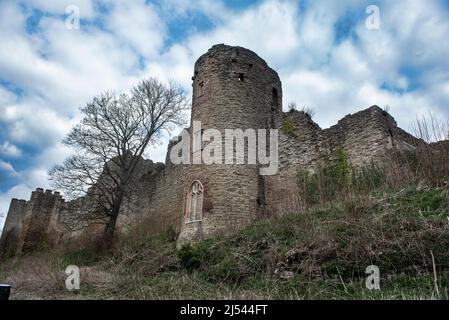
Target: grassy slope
{"type": "Point", "coordinates": [326, 247]}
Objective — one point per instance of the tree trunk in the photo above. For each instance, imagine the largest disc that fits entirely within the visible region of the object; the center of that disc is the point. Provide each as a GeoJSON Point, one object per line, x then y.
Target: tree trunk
{"type": "Point", "coordinates": [109, 230]}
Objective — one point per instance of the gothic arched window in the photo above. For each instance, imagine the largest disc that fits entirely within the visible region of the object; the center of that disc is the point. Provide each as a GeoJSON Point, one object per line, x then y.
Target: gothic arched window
{"type": "Point", "coordinates": [194, 203]}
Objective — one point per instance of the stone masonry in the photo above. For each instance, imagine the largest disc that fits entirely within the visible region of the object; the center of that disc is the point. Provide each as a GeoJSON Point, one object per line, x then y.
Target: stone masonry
{"type": "Point", "coordinates": [233, 88]}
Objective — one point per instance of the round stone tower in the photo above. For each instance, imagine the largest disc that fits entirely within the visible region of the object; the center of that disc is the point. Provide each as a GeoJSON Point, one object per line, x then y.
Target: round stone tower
{"type": "Point", "coordinates": [233, 88]}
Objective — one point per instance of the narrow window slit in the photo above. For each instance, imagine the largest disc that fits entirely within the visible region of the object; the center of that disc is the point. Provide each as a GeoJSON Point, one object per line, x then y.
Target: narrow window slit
{"type": "Point", "coordinates": [275, 97]}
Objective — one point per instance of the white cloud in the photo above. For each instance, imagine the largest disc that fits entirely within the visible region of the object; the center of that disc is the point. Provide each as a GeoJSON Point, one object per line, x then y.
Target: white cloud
{"type": "Point", "coordinates": [137, 25]}
{"type": "Point", "coordinates": [86, 7]}
{"type": "Point", "coordinates": [8, 168]}
{"type": "Point", "coordinates": [270, 29]}
{"type": "Point", "coordinates": [59, 70]}
{"type": "Point", "coordinates": [6, 96]}
{"type": "Point", "coordinates": [10, 150]}
{"type": "Point", "coordinates": [354, 71]}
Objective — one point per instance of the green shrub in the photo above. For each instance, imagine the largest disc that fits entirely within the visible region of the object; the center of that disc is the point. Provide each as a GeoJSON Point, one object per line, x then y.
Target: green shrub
{"type": "Point", "coordinates": [309, 187]}
{"type": "Point", "coordinates": [368, 177]}
{"type": "Point", "coordinates": [342, 169]}
{"type": "Point", "coordinates": [289, 127]}
{"type": "Point", "coordinates": [328, 181]}
{"type": "Point", "coordinates": [193, 255]}
{"type": "Point", "coordinates": [427, 201]}
{"type": "Point", "coordinates": [81, 257]}
{"type": "Point", "coordinates": [337, 179]}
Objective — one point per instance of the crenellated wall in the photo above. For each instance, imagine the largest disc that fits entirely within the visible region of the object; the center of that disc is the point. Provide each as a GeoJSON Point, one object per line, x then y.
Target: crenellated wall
{"type": "Point", "coordinates": [28, 222]}
{"type": "Point", "coordinates": [366, 136]}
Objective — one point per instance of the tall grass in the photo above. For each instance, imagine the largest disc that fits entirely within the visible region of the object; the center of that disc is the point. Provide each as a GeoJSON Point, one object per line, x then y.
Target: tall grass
{"type": "Point", "coordinates": [430, 128]}
{"type": "Point", "coordinates": [338, 180]}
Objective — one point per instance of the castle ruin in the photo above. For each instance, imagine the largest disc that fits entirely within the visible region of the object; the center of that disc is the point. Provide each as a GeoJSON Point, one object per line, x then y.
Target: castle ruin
{"type": "Point", "coordinates": [233, 88]}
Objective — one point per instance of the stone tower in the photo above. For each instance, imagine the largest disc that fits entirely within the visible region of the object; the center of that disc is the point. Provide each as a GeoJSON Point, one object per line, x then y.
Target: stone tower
{"type": "Point", "coordinates": [30, 224]}
{"type": "Point", "coordinates": [233, 88]}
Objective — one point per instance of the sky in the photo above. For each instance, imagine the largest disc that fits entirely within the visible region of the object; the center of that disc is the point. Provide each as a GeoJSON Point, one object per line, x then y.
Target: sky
{"type": "Point", "coordinates": [333, 56]}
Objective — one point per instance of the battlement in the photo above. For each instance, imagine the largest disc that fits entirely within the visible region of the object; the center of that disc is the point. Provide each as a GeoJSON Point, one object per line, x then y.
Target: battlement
{"type": "Point", "coordinates": [39, 193]}
{"type": "Point", "coordinates": [27, 222]}
{"type": "Point", "coordinates": [234, 53]}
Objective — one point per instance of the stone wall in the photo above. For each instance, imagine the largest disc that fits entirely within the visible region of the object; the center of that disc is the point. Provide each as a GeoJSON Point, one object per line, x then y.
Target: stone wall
{"type": "Point", "coordinates": [28, 222]}
{"type": "Point", "coordinates": [157, 198]}
{"type": "Point", "coordinates": [365, 136]}
{"type": "Point", "coordinates": [12, 229]}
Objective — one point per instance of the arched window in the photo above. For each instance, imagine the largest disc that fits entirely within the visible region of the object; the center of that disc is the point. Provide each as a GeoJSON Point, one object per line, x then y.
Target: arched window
{"type": "Point", "coordinates": [194, 202]}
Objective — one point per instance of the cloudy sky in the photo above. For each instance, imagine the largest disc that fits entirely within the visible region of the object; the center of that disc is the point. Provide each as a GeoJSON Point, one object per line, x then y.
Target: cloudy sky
{"type": "Point", "coordinates": [325, 54]}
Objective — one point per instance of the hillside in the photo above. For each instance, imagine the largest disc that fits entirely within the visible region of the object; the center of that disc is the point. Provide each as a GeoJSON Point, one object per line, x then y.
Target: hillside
{"type": "Point", "coordinates": [326, 247]}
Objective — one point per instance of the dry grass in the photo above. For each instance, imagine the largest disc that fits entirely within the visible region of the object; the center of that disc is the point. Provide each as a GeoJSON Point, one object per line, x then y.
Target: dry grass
{"type": "Point", "coordinates": [430, 128]}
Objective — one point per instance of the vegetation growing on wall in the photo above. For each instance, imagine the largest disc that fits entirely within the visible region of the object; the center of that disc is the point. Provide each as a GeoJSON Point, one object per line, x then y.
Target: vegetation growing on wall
{"type": "Point", "coordinates": [339, 179]}
{"type": "Point", "coordinates": [289, 127]}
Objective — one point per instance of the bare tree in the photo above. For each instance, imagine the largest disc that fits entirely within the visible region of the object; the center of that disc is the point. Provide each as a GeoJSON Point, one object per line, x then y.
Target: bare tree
{"type": "Point", "coordinates": [110, 140]}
